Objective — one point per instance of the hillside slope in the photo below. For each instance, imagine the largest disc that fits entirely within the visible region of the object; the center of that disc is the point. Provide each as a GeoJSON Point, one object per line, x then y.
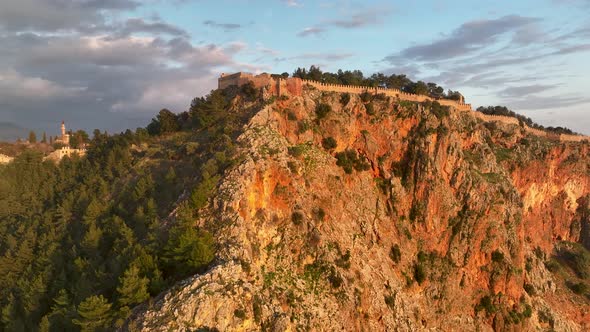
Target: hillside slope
{"type": "Point", "coordinates": [377, 214]}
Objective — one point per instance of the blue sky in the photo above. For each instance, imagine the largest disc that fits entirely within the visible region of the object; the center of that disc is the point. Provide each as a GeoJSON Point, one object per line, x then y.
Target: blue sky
{"type": "Point", "coordinates": [112, 64]}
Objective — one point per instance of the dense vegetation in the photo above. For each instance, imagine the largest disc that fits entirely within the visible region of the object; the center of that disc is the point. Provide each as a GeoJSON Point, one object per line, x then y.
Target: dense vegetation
{"type": "Point", "coordinates": [356, 77]}
{"type": "Point", "coordinates": [83, 241]}
{"type": "Point", "coordinates": [503, 110]}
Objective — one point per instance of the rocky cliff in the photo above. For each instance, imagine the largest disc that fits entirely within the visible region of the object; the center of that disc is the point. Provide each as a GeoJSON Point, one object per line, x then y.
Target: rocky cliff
{"type": "Point", "coordinates": [365, 213]}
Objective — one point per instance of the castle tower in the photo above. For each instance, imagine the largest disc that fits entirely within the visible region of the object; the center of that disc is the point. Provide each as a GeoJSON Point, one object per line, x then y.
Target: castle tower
{"type": "Point", "coordinates": [65, 138]}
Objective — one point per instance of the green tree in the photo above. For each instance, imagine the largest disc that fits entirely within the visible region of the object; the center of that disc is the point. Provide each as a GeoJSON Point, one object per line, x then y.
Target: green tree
{"type": "Point", "coordinates": [32, 137]}
{"type": "Point", "coordinates": [189, 250]}
{"type": "Point", "coordinates": [165, 122]}
{"type": "Point", "coordinates": [93, 314]}
{"type": "Point", "coordinates": [133, 289]}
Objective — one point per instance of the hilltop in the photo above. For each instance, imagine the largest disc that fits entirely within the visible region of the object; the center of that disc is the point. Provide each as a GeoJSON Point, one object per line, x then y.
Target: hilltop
{"type": "Point", "coordinates": [286, 206]}
{"type": "Point", "coordinates": [361, 211]}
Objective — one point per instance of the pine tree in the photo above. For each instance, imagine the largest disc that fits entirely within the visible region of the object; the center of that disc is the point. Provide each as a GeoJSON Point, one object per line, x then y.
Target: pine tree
{"type": "Point", "coordinates": [189, 250]}
{"type": "Point", "coordinates": [93, 314]}
{"type": "Point", "coordinates": [132, 289]}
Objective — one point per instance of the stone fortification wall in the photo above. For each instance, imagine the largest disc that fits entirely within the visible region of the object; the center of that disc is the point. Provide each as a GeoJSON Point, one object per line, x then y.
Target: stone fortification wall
{"type": "Point", "coordinates": [294, 86]}
{"type": "Point", "coordinates": [388, 92]}
{"type": "Point", "coordinates": [57, 155]}
{"type": "Point", "coordinates": [4, 159]}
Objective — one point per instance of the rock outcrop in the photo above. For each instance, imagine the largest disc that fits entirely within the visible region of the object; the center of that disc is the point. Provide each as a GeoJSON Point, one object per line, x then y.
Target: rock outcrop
{"type": "Point", "coordinates": [419, 217]}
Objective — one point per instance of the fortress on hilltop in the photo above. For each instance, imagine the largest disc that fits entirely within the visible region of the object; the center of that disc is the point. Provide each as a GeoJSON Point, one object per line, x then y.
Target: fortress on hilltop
{"type": "Point", "coordinates": [277, 86]}
{"type": "Point", "coordinates": [66, 150]}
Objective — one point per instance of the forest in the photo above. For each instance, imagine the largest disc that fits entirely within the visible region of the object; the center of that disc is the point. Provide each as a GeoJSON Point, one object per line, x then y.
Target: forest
{"type": "Point", "coordinates": [84, 241]}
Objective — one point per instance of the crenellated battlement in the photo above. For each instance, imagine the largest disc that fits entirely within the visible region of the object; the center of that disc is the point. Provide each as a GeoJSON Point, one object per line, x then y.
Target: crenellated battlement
{"type": "Point", "coordinates": [294, 85]}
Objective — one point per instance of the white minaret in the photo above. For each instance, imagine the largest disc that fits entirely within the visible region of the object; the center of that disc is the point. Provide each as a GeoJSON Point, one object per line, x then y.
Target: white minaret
{"type": "Point", "coordinates": [65, 138]}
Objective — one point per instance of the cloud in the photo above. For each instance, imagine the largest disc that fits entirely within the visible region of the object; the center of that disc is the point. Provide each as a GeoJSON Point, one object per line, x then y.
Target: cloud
{"type": "Point", "coordinates": [138, 25]}
{"type": "Point", "coordinates": [53, 15]}
{"type": "Point", "coordinates": [310, 31]}
{"type": "Point", "coordinates": [224, 26]}
{"type": "Point", "coordinates": [522, 91]}
{"type": "Point", "coordinates": [359, 19]}
{"type": "Point", "coordinates": [469, 38]}
{"type": "Point", "coordinates": [14, 85]}
{"type": "Point", "coordinates": [105, 81]}
{"type": "Point", "coordinates": [336, 56]}
{"type": "Point", "coordinates": [546, 102]}
{"type": "Point", "coordinates": [293, 3]}
{"type": "Point", "coordinates": [371, 16]}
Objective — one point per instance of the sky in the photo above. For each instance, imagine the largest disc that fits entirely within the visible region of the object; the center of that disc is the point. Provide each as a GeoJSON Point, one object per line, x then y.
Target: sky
{"type": "Point", "coordinates": [113, 64]}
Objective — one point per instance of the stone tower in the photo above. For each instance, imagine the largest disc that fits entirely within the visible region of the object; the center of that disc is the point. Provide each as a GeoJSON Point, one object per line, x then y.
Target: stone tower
{"type": "Point", "coordinates": [65, 138]}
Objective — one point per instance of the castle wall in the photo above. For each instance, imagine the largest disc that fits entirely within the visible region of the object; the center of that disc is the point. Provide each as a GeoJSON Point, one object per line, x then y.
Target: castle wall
{"type": "Point", "coordinates": [57, 155]}
{"type": "Point", "coordinates": [4, 159]}
{"type": "Point", "coordinates": [294, 86]}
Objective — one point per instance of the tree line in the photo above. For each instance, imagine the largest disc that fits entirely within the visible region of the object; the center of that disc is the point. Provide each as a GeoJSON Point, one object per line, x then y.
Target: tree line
{"type": "Point", "coordinates": [394, 81]}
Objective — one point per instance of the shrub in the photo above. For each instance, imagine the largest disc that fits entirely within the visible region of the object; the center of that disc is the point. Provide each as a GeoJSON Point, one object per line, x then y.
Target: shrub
{"type": "Point", "coordinates": [249, 91]}
{"type": "Point", "coordinates": [296, 151]}
{"type": "Point", "coordinates": [344, 99]}
{"type": "Point", "coordinates": [497, 256]}
{"type": "Point", "coordinates": [350, 160]}
{"type": "Point", "coordinates": [578, 288]}
{"type": "Point", "coordinates": [303, 126]}
{"type": "Point", "coordinates": [329, 143]}
{"type": "Point", "coordinates": [297, 217]}
{"type": "Point", "coordinates": [485, 303]}
{"type": "Point", "coordinates": [291, 116]}
{"type": "Point", "coordinates": [390, 301]}
{"type": "Point", "coordinates": [335, 279]}
{"type": "Point", "coordinates": [576, 257]}
{"type": "Point", "coordinates": [395, 253]}
{"type": "Point", "coordinates": [319, 214]}
{"type": "Point", "coordinates": [322, 110]}
{"type": "Point", "coordinates": [530, 289]}
{"type": "Point", "coordinates": [366, 96]}
{"type": "Point", "coordinates": [419, 273]}
{"type": "Point", "coordinates": [370, 109]}
{"type": "Point", "coordinates": [240, 313]}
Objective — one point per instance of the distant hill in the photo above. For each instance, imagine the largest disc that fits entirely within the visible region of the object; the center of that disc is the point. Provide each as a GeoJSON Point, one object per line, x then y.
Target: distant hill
{"type": "Point", "coordinates": [10, 131]}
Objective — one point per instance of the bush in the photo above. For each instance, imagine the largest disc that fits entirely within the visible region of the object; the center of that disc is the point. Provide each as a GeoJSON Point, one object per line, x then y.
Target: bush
{"type": "Point", "coordinates": [497, 256]}
{"type": "Point", "coordinates": [240, 313]}
{"type": "Point", "coordinates": [366, 96]}
{"type": "Point", "coordinates": [249, 91]}
{"type": "Point", "coordinates": [485, 303]}
{"type": "Point", "coordinates": [390, 301]}
{"type": "Point", "coordinates": [291, 116]}
{"type": "Point", "coordinates": [297, 217]}
{"type": "Point", "coordinates": [350, 160]}
{"type": "Point", "coordinates": [530, 289]}
{"type": "Point", "coordinates": [578, 288]}
{"type": "Point", "coordinates": [344, 99]}
{"type": "Point", "coordinates": [296, 151]}
{"type": "Point", "coordinates": [335, 279]}
{"type": "Point", "coordinates": [319, 214]}
{"type": "Point", "coordinates": [322, 110]}
{"type": "Point", "coordinates": [395, 253]}
{"type": "Point", "coordinates": [329, 143]}
{"type": "Point", "coordinates": [419, 273]}
{"type": "Point", "coordinates": [370, 109]}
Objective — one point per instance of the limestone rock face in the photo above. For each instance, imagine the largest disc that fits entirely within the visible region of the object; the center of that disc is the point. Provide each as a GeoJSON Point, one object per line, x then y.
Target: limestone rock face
{"type": "Point", "coordinates": [441, 225]}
